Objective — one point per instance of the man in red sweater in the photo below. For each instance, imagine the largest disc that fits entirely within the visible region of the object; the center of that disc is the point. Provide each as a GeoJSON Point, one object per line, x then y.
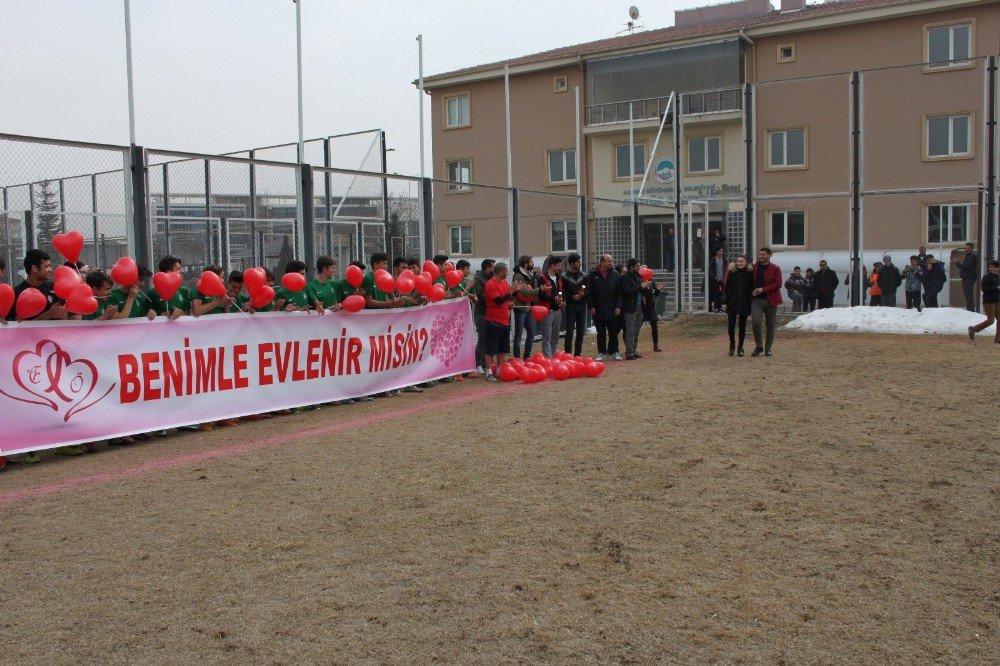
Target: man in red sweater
{"type": "Point", "coordinates": [766, 299]}
{"type": "Point", "coordinates": [498, 299]}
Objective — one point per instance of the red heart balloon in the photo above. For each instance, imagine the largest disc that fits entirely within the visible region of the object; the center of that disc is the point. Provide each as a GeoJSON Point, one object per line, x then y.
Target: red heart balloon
{"type": "Point", "coordinates": [453, 278]}
{"type": "Point", "coordinates": [431, 269]}
{"type": "Point", "coordinates": [423, 283]}
{"type": "Point", "coordinates": [167, 284]}
{"type": "Point", "coordinates": [293, 282]}
{"type": "Point", "coordinates": [354, 303]}
{"type": "Point", "coordinates": [66, 280]}
{"type": "Point", "coordinates": [6, 298]}
{"type": "Point", "coordinates": [30, 303]}
{"type": "Point", "coordinates": [436, 293]}
{"type": "Point", "coordinates": [69, 245]}
{"type": "Point", "coordinates": [355, 276]}
{"type": "Point", "coordinates": [404, 284]}
{"type": "Point", "coordinates": [263, 297]}
{"type": "Point", "coordinates": [82, 301]}
{"type": "Point", "coordinates": [210, 284]}
{"type": "Point", "coordinates": [646, 273]}
{"type": "Point", "coordinates": [125, 272]}
{"type": "Point", "coordinates": [594, 369]}
{"type": "Point", "coordinates": [254, 279]}
{"type": "Point", "coordinates": [507, 373]}
{"type": "Point", "coordinates": [539, 312]}
{"type": "Point", "coordinates": [406, 273]}
{"type": "Point", "coordinates": [448, 266]}
{"type": "Point", "coordinates": [561, 371]}
{"type": "Point", "coordinates": [385, 283]}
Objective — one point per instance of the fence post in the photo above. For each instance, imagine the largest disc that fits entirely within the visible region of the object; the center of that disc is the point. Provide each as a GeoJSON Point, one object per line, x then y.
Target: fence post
{"type": "Point", "coordinates": [991, 249]}
{"type": "Point", "coordinates": [385, 197]}
{"type": "Point", "coordinates": [224, 245]}
{"type": "Point", "coordinates": [515, 214]}
{"type": "Point", "coordinates": [62, 205]}
{"type": "Point", "coordinates": [856, 189]}
{"type": "Point", "coordinates": [635, 229]}
{"type": "Point", "coordinates": [308, 219]}
{"type": "Point", "coordinates": [428, 216]}
{"type": "Point", "coordinates": [748, 214]}
{"type": "Point", "coordinates": [140, 207]}
{"type": "Point", "coordinates": [93, 218]}
{"type": "Point", "coordinates": [29, 231]}
{"type": "Point", "coordinates": [582, 214]}
{"type": "Point", "coordinates": [253, 186]}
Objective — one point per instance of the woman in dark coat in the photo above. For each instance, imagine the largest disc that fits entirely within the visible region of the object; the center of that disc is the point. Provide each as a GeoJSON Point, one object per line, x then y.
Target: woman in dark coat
{"type": "Point", "coordinates": [738, 292]}
{"type": "Point", "coordinates": [649, 312]}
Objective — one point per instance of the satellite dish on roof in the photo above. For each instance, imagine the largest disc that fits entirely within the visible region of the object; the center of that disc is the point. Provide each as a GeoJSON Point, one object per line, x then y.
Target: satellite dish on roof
{"type": "Point", "coordinates": [633, 12]}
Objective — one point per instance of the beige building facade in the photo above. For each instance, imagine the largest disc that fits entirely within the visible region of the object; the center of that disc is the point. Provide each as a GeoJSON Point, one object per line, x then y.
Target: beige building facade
{"type": "Point", "coordinates": [865, 125]}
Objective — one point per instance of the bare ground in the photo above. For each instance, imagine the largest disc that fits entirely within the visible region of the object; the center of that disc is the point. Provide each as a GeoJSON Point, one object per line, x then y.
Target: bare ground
{"type": "Point", "coordinates": [836, 503]}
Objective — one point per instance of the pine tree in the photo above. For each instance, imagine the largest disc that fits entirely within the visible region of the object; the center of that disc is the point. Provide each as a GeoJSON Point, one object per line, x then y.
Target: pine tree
{"type": "Point", "coordinates": [48, 221]}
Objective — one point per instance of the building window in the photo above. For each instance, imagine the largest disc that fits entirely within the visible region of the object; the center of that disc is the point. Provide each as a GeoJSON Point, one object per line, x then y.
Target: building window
{"type": "Point", "coordinates": [456, 111]}
{"type": "Point", "coordinates": [459, 171]}
{"type": "Point", "coordinates": [948, 223]}
{"type": "Point", "coordinates": [948, 45]}
{"type": "Point", "coordinates": [786, 53]}
{"type": "Point", "coordinates": [560, 84]}
{"type": "Point", "coordinates": [948, 136]}
{"type": "Point", "coordinates": [787, 148]}
{"type": "Point", "coordinates": [705, 154]}
{"type": "Point", "coordinates": [788, 228]}
{"type": "Point", "coordinates": [460, 239]}
{"type": "Point", "coordinates": [562, 166]}
{"type": "Point", "coordinates": [621, 160]}
{"type": "Point", "coordinates": [563, 235]}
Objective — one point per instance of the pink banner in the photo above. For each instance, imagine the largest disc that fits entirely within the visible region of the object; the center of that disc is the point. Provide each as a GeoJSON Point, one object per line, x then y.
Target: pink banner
{"type": "Point", "coordinates": [72, 382]}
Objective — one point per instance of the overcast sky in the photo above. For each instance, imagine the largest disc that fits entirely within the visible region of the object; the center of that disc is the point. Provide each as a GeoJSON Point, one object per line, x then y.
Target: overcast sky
{"type": "Point", "coordinates": [219, 75]}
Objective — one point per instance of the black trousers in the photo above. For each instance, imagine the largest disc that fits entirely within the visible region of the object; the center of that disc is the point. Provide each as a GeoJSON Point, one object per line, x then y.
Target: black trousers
{"type": "Point", "coordinates": [607, 335]}
{"type": "Point", "coordinates": [654, 325]}
{"type": "Point", "coordinates": [716, 297]}
{"type": "Point", "coordinates": [576, 321]}
{"type": "Point", "coordinates": [825, 302]}
{"type": "Point", "coordinates": [809, 304]}
{"type": "Point", "coordinates": [969, 291]}
{"type": "Point", "coordinates": [732, 328]}
{"type": "Point", "coordinates": [913, 301]}
{"type": "Point", "coordinates": [930, 300]}
{"type": "Point", "coordinates": [876, 300]}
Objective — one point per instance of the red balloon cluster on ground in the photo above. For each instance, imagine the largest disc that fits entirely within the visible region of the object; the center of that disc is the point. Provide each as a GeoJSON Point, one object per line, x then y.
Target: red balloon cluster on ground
{"type": "Point", "coordinates": [561, 366]}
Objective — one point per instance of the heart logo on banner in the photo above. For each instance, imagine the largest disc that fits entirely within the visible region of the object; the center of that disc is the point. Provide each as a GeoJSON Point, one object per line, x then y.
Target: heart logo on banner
{"type": "Point", "coordinates": [446, 337]}
{"type": "Point", "coordinates": [48, 370]}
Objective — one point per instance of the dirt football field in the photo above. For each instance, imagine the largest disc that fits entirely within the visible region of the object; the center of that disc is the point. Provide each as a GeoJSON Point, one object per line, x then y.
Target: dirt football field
{"type": "Point", "coordinates": [837, 503]}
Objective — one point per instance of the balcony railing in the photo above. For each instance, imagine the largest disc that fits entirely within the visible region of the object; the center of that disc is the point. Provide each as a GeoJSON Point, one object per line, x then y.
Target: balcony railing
{"type": "Point", "coordinates": [722, 100]}
{"type": "Point", "coordinates": [617, 112]}
{"type": "Point", "coordinates": [698, 103]}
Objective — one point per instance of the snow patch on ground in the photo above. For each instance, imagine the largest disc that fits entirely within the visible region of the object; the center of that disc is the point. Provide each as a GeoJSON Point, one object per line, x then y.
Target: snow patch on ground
{"type": "Point", "coordinates": [866, 319]}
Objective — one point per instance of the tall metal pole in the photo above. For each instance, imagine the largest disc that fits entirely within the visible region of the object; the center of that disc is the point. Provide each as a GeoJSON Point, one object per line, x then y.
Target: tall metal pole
{"type": "Point", "coordinates": [128, 70]}
{"type": "Point", "coordinates": [513, 205]}
{"type": "Point", "coordinates": [420, 90]}
{"type": "Point", "coordinates": [301, 212]}
{"type": "Point", "coordinates": [631, 175]}
{"type": "Point", "coordinates": [579, 177]}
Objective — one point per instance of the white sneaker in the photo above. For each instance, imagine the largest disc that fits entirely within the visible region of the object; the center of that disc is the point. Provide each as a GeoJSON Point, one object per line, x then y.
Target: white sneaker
{"type": "Point", "coordinates": [480, 370]}
{"type": "Point", "coordinates": [599, 357]}
{"type": "Point", "coordinates": [618, 357]}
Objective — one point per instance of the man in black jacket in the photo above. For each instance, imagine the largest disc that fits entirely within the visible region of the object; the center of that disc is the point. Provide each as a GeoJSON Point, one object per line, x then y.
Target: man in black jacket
{"type": "Point", "coordinates": [604, 300]}
{"type": "Point", "coordinates": [991, 301]}
{"type": "Point", "coordinates": [825, 282]}
{"type": "Point", "coordinates": [477, 291]}
{"type": "Point", "coordinates": [575, 297]}
{"type": "Point", "coordinates": [968, 270]}
{"type": "Point", "coordinates": [631, 286]}
{"type": "Point", "coordinates": [889, 280]}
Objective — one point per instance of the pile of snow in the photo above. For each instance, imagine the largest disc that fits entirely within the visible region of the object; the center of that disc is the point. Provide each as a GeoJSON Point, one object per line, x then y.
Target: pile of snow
{"type": "Point", "coordinates": [865, 319]}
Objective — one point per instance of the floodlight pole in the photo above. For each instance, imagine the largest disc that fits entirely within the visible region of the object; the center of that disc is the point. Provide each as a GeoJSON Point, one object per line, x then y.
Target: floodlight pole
{"type": "Point", "coordinates": [299, 190]}
{"type": "Point", "coordinates": [420, 91]}
{"type": "Point", "coordinates": [128, 73]}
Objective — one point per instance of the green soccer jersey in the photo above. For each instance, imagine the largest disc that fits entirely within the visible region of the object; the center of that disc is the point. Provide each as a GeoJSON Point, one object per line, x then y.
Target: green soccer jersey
{"type": "Point", "coordinates": [179, 301]}
{"type": "Point", "coordinates": [327, 293]}
{"type": "Point", "coordinates": [344, 289]}
{"type": "Point", "coordinates": [460, 287]}
{"type": "Point", "coordinates": [102, 305]}
{"type": "Point", "coordinates": [140, 306]}
{"type": "Point", "coordinates": [368, 284]}
{"type": "Point", "coordinates": [299, 299]}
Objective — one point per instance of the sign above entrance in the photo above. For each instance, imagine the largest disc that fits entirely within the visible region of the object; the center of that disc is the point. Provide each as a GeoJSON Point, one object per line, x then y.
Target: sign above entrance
{"type": "Point", "coordinates": [665, 171]}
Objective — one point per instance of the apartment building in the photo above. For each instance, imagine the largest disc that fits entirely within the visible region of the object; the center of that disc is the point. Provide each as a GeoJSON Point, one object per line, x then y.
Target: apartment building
{"type": "Point", "coordinates": [858, 124]}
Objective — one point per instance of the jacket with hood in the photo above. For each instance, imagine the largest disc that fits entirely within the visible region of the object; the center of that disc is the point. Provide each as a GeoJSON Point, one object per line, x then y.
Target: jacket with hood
{"type": "Point", "coordinates": [529, 295]}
